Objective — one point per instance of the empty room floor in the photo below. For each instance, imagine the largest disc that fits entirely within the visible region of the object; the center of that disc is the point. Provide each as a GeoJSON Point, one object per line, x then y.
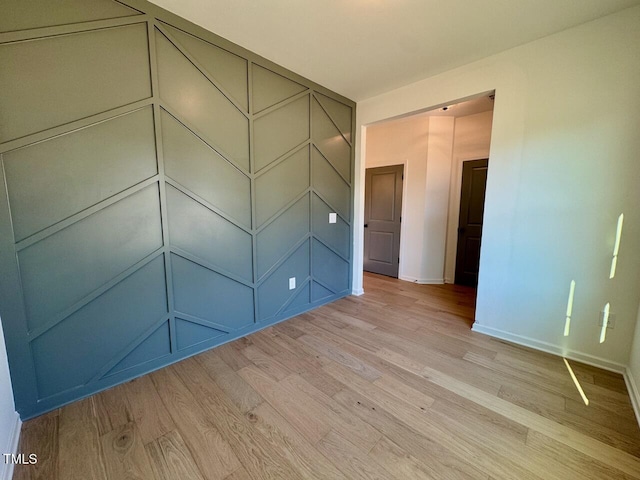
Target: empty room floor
{"type": "Point", "coordinates": [389, 385]}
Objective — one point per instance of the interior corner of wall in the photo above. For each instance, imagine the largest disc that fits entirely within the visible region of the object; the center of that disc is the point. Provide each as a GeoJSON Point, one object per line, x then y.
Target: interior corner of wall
{"type": "Point", "coordinates": [634, 392]}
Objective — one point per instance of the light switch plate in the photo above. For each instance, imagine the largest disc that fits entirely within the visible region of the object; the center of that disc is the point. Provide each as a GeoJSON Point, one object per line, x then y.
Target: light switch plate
{"type": "Point", "coordinates": [333, 218]}
{"type": "Point", "coordinates": [292, 283]}
{"type": "Point", "coordinates": [611, 323]}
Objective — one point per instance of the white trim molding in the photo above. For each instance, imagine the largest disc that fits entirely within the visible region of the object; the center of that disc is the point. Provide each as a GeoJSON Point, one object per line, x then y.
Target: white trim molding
{"type": "Point", "coordinates": [422, 281]}
{"type": "Point", "coordinates": [551, 348]}
{"type": "Point", "coordinates": [6, 469]}
{"type": "Point", "coordinates": [634, 392]}
{"type": "Point", "coordinates": [356, 292]}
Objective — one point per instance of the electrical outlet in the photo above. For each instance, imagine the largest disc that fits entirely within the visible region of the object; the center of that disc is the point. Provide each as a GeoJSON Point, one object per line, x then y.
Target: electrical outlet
{"type": "Point", "coordinates": [333, 218]}
{"type": "Point", "coordinates": [611, 323]}
{"type": "Point", "coordinates": [292, 283]}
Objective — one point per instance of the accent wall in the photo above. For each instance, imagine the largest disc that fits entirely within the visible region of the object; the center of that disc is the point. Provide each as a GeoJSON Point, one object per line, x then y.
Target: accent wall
{"type": "Point", "coordinates": [163, 192]}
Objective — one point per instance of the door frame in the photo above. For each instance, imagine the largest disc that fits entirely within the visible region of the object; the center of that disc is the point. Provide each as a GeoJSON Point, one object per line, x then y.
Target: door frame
{"type": "Point", "coordinates": [455, 197]}
{"type": "Point", "coordinates": [391, 111]}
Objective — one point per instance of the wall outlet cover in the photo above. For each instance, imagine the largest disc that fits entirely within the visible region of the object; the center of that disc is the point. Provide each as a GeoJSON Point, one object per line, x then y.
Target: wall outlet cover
{"type": "Point", "coordinates": [611, 323]}
{"type": "Point", "coordinates": [292, 283]}
{"type": "Point", "coordinates": [333, 218]}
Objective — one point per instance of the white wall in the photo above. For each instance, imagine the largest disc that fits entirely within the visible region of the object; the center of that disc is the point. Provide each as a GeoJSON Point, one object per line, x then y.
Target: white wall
{"type": "Point", "coordinates": [9, 421]}
{"type": "Point", "coordinates": [564, 164]}
{"type": "Point", "coordinates": [437, 198]}
{"type": "Point", "coordinates": [471, 141]}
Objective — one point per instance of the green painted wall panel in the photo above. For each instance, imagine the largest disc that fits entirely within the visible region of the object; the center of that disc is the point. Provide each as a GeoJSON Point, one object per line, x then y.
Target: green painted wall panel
{"type": "Point", "coordinates": [330, 142]}
{"type": "Point", "coordinates": [187, 91]}
{"type": "Point", "coordinates": [330, 185]}
{"type": "Point", "coordinates": [335, 235]}
{"type": "Point", "coordinates": [280, 131]}
{"type": "Point", "coordinates": [159, 186]}
{"type": "Point", "coordinates": [189, 334]}
{"type": "Point", "coordinates": [22, 15]}
{"type": "Point", "coordinates": [274, 291]}
{"type": "Point", "coordinates": [301, 300]}
{"type": "Point", "coordinates": [229, 70]}
{"type": "Point", "coordinates": [74, 351]}
{"type": "Point", "coordinates": [282, 234]}
{"type": "Point", "coordinates": [70, 264]}
{"type": "Point", "coordinates": [189, 161]}
{"type": "Point", "coordinates": [329, 268]}
{"type": "Point", "coordinates": [281, 184]}
{"type": "Point", "coordinates": [340, 114]}
{"type": "Point", "coordinates": [156, 345]}
{"type": "Point", "coordinates": [205, 234]}
{"type": "Point", "coordinates": [270, 88]}
{"type": "Point", "coordinates": [55, 80]}
{"type": "Point", "coordinates": [54, 179]}
{"type": "Point", "coordinates": [209, 296]}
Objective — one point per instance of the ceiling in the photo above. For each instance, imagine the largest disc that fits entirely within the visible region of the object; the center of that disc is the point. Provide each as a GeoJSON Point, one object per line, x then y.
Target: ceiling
{"type": "Point", "coordinates": [479, 104]}
{"type": "Point", "coordinates": [361, 48]}
{"type": "Point", "coordinates": [462, 109]}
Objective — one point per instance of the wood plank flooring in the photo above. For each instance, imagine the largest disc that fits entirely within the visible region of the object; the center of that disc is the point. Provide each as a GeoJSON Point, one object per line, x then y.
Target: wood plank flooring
{"type": "Point", "coordinates": [389, 385]}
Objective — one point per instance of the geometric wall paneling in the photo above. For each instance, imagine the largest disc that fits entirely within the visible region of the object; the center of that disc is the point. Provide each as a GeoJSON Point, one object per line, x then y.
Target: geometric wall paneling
{"type": "Point", "coordinates": [329, 185]}
{"type": "Point", "coordinates": [302, 298]}
{"type": "Point", "coordinates": [210, 297]}
{"type": "Point", "coordinates": [23, 15]}
{"type": "Point", "coordinates": [278, 131]}
{"type": "Point", "coordinates": [336, 235]}
{"type": "Point", "coordinates": [274, 293]}
{"type": "Point", "coordinates": [38, 80]}
{"type": "Point", "coordinates": [281, 184]}
{"type": "Point", "coordinates": [339, 112]}
{"type": "Point", "coordinates": [201, 104]}
{"type": "Point", "coordinates": [330, 142]}
{"type": "Point", "coordinates": [197, 167]}
{"type": "Point", "coordinates": [227, 69]}
{"type": "Point", "coordinates": [270, 88]}
{"type": "Point", "coordinates": [75, 350]}
{"type": "Point", "coordinates": [319, 292]}
{"type": "Point", "coordinates": [154, 346]}
{"type": "Point", "coordinates": [277, 238]}
{"type": "Point", "coordinates": [329, 268]}
{"type": "Point", "coordinates": [189, 334]}
{"type": "Point", "coordinates": [159, 186]}
{"type": "Point", "coordinates": [52, 180]}
{"type": "Point", "coordinates": [206, 235]}
{"type": "Point", "coordinates": [65, 267]}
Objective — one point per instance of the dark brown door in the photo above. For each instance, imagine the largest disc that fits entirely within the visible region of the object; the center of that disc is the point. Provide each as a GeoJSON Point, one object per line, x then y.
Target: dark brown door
{"type": "Point", "coordinates": [382, 209]}
{"type": "Point", "coordinates": [474, 185]}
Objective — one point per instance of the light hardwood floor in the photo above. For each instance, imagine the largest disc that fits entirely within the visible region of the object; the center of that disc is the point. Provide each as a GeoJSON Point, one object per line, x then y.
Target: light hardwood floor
{"type": "Point", "coordinates": [389, 385]}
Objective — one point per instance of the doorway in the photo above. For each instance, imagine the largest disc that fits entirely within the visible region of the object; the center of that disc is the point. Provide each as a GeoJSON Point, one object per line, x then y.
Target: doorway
{"type": "Point", "coordinates": [474, 186]}
{"type": "Point", "coordinates": [382, 218]}
{"type": "Point", "coordinates": [432, 146]}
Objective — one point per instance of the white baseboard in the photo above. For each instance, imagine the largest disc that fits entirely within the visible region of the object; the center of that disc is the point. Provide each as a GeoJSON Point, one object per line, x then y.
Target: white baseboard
{"type": "Point", "coordinates": [634, 393]}
{"type": "Point", "coordinates": [6, 469]}
{"type": "Point", "coordinates": [449, 280]}
{"type": "Point", "coordinates": [551, 348]}
{"type": "Point", "coordinates": [422, 281]}
{"type": "Point", "coordinates": [356, 292]}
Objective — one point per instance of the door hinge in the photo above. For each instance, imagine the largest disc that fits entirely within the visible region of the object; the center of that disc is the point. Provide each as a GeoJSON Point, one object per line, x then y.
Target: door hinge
{"type": "Point", "coordinates": [400, 218]}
